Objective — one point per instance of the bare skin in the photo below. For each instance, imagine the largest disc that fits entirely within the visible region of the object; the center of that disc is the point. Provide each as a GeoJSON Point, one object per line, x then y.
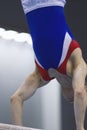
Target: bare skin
{"type": "Point", "coordinates": [73, 88]}
{"type": "Point", "coordinates": [24, 92]}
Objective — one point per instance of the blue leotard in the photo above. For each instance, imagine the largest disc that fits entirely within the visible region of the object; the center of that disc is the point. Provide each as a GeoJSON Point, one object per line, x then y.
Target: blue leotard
{"type": "Point", "coordinates": [53, 42]}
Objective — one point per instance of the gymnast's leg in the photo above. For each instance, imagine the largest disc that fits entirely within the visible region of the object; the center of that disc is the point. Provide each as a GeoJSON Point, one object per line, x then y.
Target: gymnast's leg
{"type": "Point", "coordinates": [27, 89]}
{"type": "Point", "coordinates": [78, 82]}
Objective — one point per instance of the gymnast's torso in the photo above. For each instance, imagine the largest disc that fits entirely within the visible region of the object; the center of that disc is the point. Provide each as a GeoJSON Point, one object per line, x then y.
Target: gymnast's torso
{"type": "Point", "coordinates": [29, 5]}
{"type": "Point", "coordinates": [53, 42]}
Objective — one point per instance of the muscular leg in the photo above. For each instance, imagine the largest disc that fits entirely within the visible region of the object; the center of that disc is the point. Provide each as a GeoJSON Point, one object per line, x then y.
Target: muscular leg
{"type": "Point", "coordinates": [78, 82]}
{"type": "Point", "coordinates": [77, 71]}
{"type": "Point", "coordinates": [27, 89]}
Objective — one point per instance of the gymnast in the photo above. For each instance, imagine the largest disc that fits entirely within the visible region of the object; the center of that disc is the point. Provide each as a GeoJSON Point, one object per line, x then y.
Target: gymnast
{"type": "Point", "coordinates": [57, 55]}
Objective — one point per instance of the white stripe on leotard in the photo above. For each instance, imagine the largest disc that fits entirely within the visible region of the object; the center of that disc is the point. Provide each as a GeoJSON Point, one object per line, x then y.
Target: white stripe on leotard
{"type": "Point", "coordinates": [67, 41]}
{"type": "Point", "coordinates": [38, 61]}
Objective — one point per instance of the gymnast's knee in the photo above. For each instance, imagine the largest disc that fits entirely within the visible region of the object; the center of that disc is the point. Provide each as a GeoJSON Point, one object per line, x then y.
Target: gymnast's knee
{"type": "Point", "coordinates": [79, 93]}
{"type": "Point", "coordinates": [16, 99]}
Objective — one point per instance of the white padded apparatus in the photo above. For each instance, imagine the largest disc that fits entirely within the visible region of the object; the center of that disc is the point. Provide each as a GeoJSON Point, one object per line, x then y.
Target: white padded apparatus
{"type": "Point", "coordinates": [14, 127]}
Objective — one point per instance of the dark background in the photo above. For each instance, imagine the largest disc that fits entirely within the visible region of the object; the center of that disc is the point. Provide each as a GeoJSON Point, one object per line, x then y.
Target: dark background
{"type": "Point", "coordinates": [12, 17]}
{"type": "Point", "coordinates": [76, 16]}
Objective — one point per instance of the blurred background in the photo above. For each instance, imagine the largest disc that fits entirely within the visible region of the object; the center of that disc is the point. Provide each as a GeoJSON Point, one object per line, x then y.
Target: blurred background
{"type": "Point", "coordinates": [47, 109]}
